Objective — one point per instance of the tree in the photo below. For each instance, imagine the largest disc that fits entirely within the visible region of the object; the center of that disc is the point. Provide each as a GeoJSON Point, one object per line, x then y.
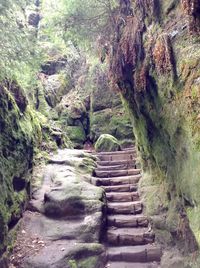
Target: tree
{"type": "Point", "coordinates": [17, 44]}
{"type": "Point", "coordinates": [83, 21]}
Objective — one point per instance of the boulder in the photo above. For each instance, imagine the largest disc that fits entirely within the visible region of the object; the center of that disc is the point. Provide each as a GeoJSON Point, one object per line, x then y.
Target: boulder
{"type": "Point", "coordinates": [107, 143]}
{"type": "Point", "coordinates": [54, 87]}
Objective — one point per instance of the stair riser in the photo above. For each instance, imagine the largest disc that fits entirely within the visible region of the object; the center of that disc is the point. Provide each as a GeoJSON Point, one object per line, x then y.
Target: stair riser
{"type": "Point", "coordinates": [120, 188]}
{"type": "Point", "coordinates": [149, 255]}
{"type": "Point", "coordinates": [121, 153]}
{"type": "Point", "coordinates": [128, 223]}
{"type": "Point", "coordinates": [129, 163]}
{"type": "Point", "coordinates": [129, 240]}
{"type": "Point", "coordinates": [126, 211]}
{"type": "Point", "coordinates": [116, 173]}
{"type": "Point", "coordinates": [118, 181]}
{"type": "Point", "coordinates": [130, 265]}
{"type": "Point", "coordinates": [122, 198]}
{"type": "Point", "coordinates": [127, 157]}
{"type": "Point", "coordinates": [108, 168]}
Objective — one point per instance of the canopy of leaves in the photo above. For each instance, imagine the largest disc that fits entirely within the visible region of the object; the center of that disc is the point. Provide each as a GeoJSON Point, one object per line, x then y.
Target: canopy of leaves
{"type": "Point", "coordinates": [81, 21]}
{"type": "Point", "coordinates": [18, 52]}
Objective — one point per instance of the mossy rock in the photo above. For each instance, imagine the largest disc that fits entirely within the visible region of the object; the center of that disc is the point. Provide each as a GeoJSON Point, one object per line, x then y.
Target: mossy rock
{"type": "Point", "coordinates": [107, 143]}
{"type": "Point", "coordinates": [111, 121]}
{"type": "Point", "coordinates": [76, 134]}
{"type": "Point", "coordinates": [93, 256]}
{"type": "Point", "coordinates": [20, 131]}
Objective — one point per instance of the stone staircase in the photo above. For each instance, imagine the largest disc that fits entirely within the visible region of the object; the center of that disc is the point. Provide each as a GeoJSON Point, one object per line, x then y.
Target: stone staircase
{"type": "Point", "coordinates": [129, 236]}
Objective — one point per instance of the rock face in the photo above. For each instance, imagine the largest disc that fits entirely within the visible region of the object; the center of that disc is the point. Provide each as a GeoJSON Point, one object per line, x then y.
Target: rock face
{"type": "Point", "coordinates": [107, 143]}
{"type": "Point", "coordinates": [107, 113]}
{"type": "Point", "coordinates": [64, 223]}
{"type": "Point", "coordinates": [97, 111]}
{"type": "Point", "coordinates": [159, 81]}
{"type": "Point", "coordinates": [18, 126]}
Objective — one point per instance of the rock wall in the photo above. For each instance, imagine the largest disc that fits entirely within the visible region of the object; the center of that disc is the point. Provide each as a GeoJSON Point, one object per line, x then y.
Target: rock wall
{"type": "Point", "coordinates": [155, 65]}
{"type": "Point", "coordinates": [19, 133]}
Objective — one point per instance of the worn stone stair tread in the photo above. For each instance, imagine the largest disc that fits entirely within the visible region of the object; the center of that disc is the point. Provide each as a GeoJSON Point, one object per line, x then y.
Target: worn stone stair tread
{"type": "Point", "coordinates": [119, 180]}
{"type": "Point", "coordinates": [118, 152]}
{"type": "Point", "coordinates": [117, 173]}
{"type": "Point", "coordinates": [132, 265]}
{"type": "Point", "coordinates": [129, 149]}
{"type": "Point", "coordinates": [122, 197]}
{"type": "Point", "coordinates": [108, 168]}
{"type": "Point", "coordinates": [127, 220]}
{"type": "Point", "coordinates": [121, 188]}
{"type": "Point", "coordinates": [117, 157]}
{"type": "Point", "coordinates": [124, 207]}
{"type": "Point", "coordinates": [130, 236]}
{"type": "Point", "coordinates": [116, 163]}
{"type": "Point", "coordinates": [144, 253]}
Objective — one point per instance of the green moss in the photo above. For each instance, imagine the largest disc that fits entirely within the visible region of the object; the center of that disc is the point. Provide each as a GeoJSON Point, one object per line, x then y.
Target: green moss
{"type": "Point", "coordinates": [117, 124]}
{"type": "Point", "coordinates": [76, 134]}
{"type": "Point", "coordinates": [86, 255]}
{"type": "Point", "coordinates": [19, 132]}
{"type": "Point", "coordinates": [87, 165]}
{"type": "Point", "coordinates": [72, 264]}
{"type": "Point", "coordinates": [89, 262]}
{"type": "Point", "coordinates": [107, 143]}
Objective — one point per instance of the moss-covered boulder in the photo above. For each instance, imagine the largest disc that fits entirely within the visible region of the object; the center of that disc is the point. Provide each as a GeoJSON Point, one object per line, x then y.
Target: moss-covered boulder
{"type": "Point", "coordinates": [107, 143]}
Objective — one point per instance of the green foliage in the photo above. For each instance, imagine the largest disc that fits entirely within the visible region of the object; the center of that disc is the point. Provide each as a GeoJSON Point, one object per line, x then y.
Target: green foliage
{"type": "Point", "coordinates": [18, 50]}
{"type": "Point", "coordinates": [77, 20]}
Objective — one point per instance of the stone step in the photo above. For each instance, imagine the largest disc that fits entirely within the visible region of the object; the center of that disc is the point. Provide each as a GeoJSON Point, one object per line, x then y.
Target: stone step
{"type": "Point", "coordinates": [127, 221]}
{"type": "Point", "coordinates": [116, 173]}
{"type": "Point", "coordinates": [129, 148]}
{"type": "Point", "coordinates": [130, 236]}
{"type": "Point", "coordinates": [108, 168]}
{"type": "Point", "coordinates": [116, 163]}
{"type": "Point", "coordinates": [122, 197]}
{"type": "Point", "coordinates": [132, 265]}
{"type": "Point", "coordinates": [146, 253]}
{"type": "Point", "coordinates": [121, 188]}
{"type": "Point", "coordinates": [116, 157]}
{"type": "Point", "coordinates": [124, 207]}
{"type": "Point", "coordinates": [119, 180]}
{"type": "Point", "coordinates": [132, 150]}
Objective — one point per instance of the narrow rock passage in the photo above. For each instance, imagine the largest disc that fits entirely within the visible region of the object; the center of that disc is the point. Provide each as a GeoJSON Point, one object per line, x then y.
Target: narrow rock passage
{"type": "Point", "coordinates": [129, 237]}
